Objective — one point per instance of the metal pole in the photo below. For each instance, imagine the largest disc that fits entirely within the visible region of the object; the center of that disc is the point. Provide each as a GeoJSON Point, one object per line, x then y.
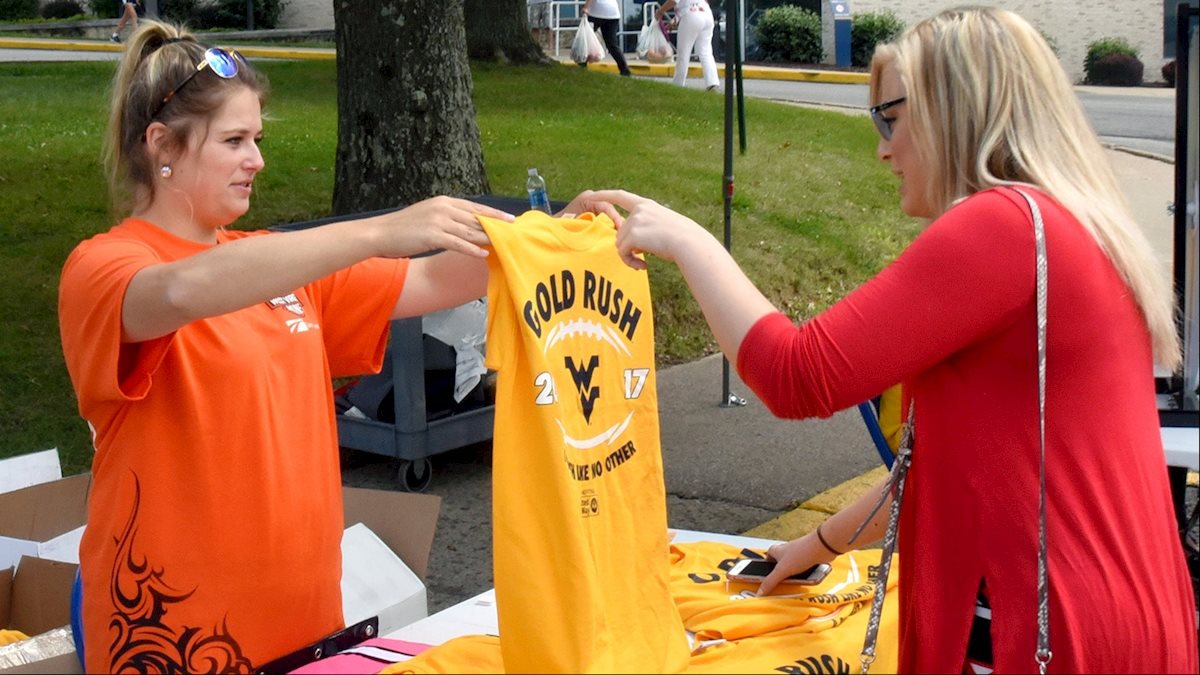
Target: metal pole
{"type": "Point", "coordinates": [727, 398]}
{"type": "Point", "coordinates": [741, 56]}
{"type": "Point", "coordinates": [249, 14]}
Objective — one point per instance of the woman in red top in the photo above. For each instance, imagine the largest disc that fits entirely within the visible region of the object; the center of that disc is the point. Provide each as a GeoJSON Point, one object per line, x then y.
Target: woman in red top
{"type": "Point", "coordinates": [967, 103]}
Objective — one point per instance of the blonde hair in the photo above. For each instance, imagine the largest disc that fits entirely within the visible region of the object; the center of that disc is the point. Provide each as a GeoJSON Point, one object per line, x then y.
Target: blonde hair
{"type": "Point", "coordinates": [158, 57]}
{"type": "Point", "coordinates": [989, 105]}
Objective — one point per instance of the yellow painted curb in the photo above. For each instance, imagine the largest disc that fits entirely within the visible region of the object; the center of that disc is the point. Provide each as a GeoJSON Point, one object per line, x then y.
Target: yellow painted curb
{"type": "Point", "coordinates": [838, 497]}
{"type": "Point", "coordinates": [59, 45]}
{"type": "Point", "coordinates": [807, 516]}
{"type": "Point", "coordinates": [748, 72]}
{"type": "Point", "coordinates": [285, 53]}
{"type": "Point", "coordinates": [98, 46]}
{"type": "Point", "coordinates": [790, 525]}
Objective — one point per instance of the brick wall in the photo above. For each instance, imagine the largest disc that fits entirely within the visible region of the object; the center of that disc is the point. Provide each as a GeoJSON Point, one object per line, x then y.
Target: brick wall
{"type": "Point", "coordinates": [1070, 25]}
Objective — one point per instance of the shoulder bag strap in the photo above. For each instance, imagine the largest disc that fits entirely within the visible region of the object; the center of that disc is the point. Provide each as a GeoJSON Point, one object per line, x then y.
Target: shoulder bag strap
{"type": "Point", "coordinates": [904, 457]}
{"type": "Point", "coordinates": [1043, 653]}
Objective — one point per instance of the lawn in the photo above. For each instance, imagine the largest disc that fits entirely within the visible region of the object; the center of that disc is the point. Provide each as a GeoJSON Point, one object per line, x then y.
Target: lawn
{"type": "Point", "coordinates": [814, 213]}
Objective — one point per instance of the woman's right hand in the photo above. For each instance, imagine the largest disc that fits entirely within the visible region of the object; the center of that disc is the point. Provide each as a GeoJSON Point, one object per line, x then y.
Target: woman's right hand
{"type": "Point", "coordinates": [436, 223]}
{"type": "Point", "coordinates": [650, 228]}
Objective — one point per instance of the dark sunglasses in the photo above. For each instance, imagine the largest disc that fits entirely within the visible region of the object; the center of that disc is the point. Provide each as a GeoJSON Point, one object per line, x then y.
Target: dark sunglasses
{"type": "Point", "coordinates": [884, 124]}
{"type": "Point", "coordinates": [223, 63]}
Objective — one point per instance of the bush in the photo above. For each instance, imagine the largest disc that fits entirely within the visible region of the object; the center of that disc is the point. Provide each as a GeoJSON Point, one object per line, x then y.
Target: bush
{"type": "Point", "coordinates": [1101, 48]}
{"type": "Point", "coordinates": [16, 10]}
{"type": "Point", "coordinates": [1117, 70]}
{"type": "Point", "coordinates": [870, 29]}
{"type": "Point", "coordinates": [61, 9]}
{"type": "Point", "coordinates": [202, 14]}
{"type": "Point", "coordinates": [1168, 73]}
{"type": "Point", "coordinates": [789, 33]}
{"type": "Point", "coordinates": [108, 9]}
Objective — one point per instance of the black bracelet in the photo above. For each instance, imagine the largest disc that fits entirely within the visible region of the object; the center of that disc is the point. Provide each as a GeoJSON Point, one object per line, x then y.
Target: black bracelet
{"type": "Point", "coordinates": [824, 543]}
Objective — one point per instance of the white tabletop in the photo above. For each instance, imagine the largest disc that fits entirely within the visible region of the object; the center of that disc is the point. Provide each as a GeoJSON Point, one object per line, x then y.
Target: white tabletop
{"type": "Point", "coordinates": [1182, 446]}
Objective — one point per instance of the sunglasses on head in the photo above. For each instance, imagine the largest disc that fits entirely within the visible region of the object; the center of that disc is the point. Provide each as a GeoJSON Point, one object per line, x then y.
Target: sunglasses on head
{"type": "Point", "coordinates": [884, 124]}
{"type": "Point", "coordinates": [223, 63]}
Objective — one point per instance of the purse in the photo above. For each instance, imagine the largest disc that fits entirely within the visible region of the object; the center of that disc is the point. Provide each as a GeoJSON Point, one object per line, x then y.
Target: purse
{"type": "Point", "coordinates": [895, 485]}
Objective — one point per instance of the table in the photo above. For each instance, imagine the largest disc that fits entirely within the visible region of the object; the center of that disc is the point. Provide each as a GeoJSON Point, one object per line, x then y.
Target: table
{"type": "Point", "coordinates": [1181, 445]}
{"type": "Point", "coordinates": [477, 615]}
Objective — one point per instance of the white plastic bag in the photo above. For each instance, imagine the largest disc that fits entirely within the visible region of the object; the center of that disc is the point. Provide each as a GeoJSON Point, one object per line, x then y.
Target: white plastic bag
{"type": "Point", "coordinates": [580, 45]}
{"type": "Point", "coordinates": [596, 51]}
{"type": "Point", "coordinates": [658, 47]}
{"type": "Point", "coordinates": [643, 43]}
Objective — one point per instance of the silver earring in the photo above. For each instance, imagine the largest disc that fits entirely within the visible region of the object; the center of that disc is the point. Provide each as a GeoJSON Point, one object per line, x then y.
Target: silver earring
{"type": "Point", "coordinates": [165, 171]}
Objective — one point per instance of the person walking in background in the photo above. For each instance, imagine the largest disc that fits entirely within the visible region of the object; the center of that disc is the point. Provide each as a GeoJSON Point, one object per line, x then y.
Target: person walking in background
{"type": "Point", "coordinates": [694, 32]}
{"type": "Point", "coordinates": [201, 358]}
{"type": "Point", "coordinates": [981, 125]}
{"type": "Point", "coordinates": [605, 16]}
{"type": "Point", "coordinates": [128, 16]}
{"type": "Point", "coordinates": [539, 23]}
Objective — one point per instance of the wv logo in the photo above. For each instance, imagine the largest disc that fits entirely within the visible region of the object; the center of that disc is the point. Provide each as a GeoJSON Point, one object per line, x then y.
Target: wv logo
{"type": "Point", "coordinates": [583, 382]}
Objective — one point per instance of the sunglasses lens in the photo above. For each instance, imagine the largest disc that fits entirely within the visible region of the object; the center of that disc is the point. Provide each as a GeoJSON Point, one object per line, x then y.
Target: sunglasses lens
{"type": "Point", "coordinates": [884, 127]}
{"type": "Point", "coordinates": [222, 62]}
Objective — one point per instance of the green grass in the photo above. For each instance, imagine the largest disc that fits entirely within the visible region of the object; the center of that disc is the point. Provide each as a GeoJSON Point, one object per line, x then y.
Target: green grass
{"type": "Point", "coordinates": [814, 212]}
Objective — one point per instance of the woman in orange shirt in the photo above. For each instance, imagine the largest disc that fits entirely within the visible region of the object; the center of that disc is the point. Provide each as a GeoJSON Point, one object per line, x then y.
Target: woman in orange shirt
{"type": "Point", "coordinates": [202, 360]}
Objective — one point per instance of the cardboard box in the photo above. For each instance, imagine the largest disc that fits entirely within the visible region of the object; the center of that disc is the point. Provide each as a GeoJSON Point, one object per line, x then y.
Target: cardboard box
{"type": "Point", "coordinates": [384, 559]}
{"type": "Point", "coordinates": [43, 521]}
{"type": "Point", "coordinates": [31, 469]}
{"type": "Point", "coordinates": [35, 597]}
{"type": "Point", "coordinates": [376, 583]}
{"type": "Point", "coordinates": [385, 555]}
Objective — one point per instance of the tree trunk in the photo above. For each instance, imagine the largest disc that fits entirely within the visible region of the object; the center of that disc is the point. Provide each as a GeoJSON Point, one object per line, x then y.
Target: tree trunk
{"type": "Point", "coordinates": [498, 30]}
{"type": "Point", "coordinates": [406, 121]}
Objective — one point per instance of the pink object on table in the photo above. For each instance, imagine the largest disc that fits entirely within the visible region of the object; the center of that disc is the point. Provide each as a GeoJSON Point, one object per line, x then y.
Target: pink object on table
{"type": "Point", "coordinates": [369, 656]}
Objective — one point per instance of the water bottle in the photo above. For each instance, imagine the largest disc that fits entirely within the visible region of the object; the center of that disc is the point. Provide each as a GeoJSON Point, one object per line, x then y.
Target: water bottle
{"type": "Point", "coordinates": [535, 185]}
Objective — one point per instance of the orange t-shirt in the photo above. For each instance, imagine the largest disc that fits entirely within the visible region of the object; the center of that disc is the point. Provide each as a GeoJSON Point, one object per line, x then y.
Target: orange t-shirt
{"type": "Point", "coordinates": [215, 516]}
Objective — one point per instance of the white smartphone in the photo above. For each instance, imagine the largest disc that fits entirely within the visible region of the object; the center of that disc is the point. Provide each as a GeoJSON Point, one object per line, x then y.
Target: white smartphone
{"type": "Point", "coordinates": [754, 571]}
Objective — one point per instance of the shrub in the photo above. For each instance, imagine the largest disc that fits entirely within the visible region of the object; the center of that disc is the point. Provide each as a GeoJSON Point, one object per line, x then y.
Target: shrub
{"type": "Point", "coordinates": [202, 14]}
{"type": "Point", "coordinates": [789, 33]}
{"type": "Point", "coordinates": [107, 9]}
{"type": "Point", "coordinates": [1168, 73]}
{"type": "Point", "coordinates": [1101, 48]}
{"type": "Point", "coordinates": [870, 29]}
{"type": "Point", "coordinates": [61, 9]}
{"type": "Point", "coordinates": [1117, 70]}
{"type": "Point", "coordinates": [15, 10]}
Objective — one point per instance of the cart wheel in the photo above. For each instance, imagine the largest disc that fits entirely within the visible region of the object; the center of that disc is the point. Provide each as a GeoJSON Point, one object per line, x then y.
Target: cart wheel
{"type": "Point", "coordinates": [415, 475]}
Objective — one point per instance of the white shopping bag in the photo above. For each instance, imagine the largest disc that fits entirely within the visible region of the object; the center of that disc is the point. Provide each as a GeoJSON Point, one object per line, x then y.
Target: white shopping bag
{"type": "Point", "coordinates": [580, 45]}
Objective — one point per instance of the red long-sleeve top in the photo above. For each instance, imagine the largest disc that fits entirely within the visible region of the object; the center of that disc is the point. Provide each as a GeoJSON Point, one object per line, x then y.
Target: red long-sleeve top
{"type": "Point", "coordinates": [954, 318]}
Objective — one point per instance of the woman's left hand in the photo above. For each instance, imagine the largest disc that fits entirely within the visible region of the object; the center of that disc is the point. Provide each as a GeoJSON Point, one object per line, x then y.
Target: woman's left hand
{"type": "Point", "coordinates": [792, 557]}
{"type": "Point", "coordinates": [587, 202]}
